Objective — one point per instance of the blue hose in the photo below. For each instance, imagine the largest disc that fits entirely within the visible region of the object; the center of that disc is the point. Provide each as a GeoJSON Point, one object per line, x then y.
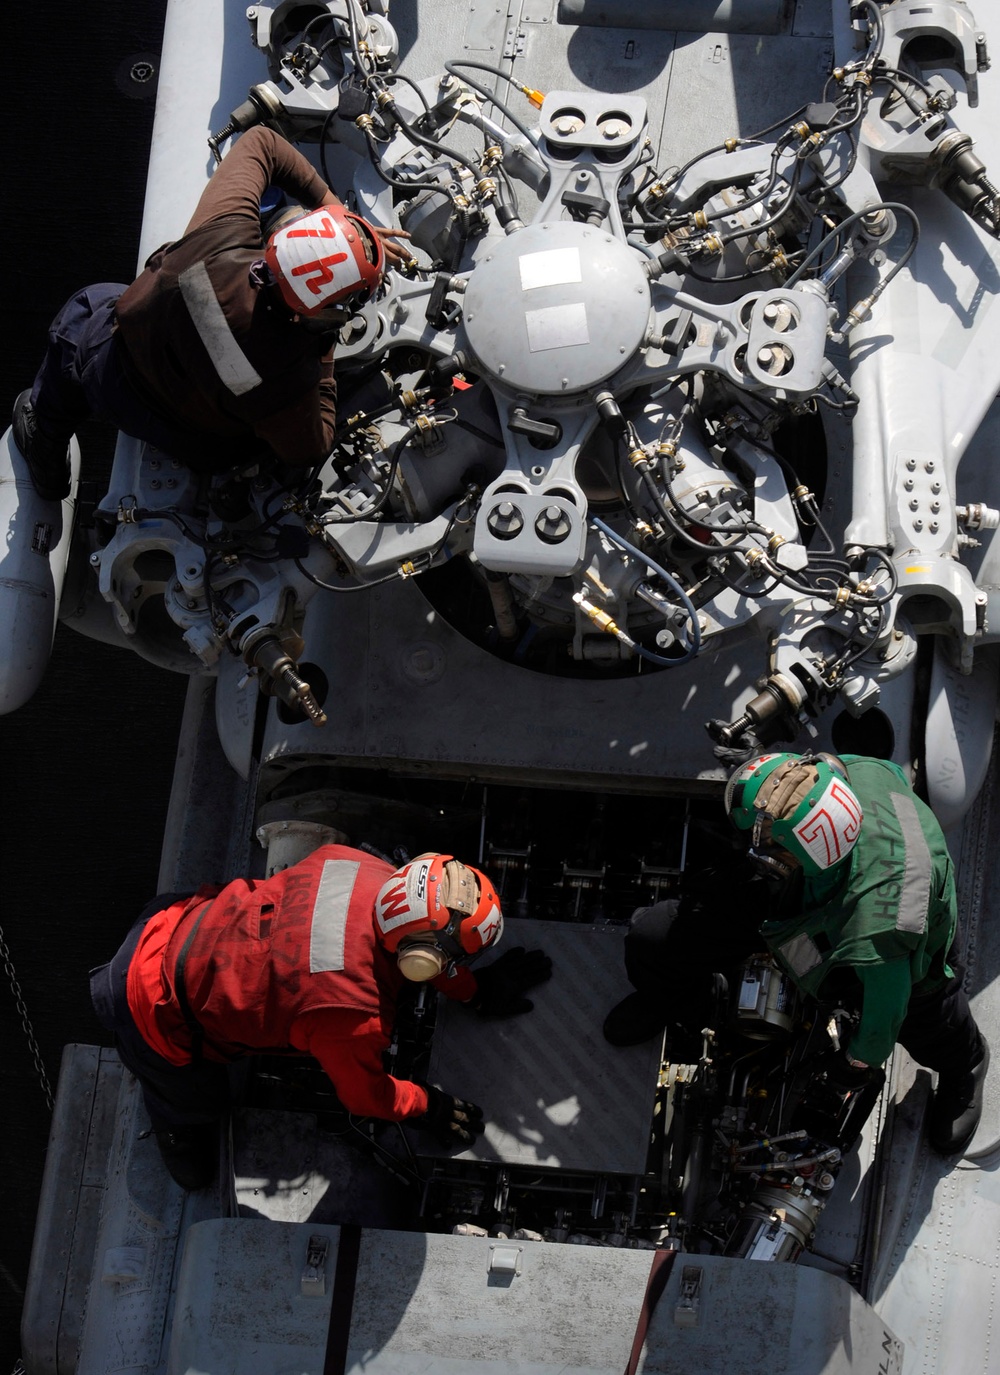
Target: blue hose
{"type": "Point", "coordinates": [695, 645]}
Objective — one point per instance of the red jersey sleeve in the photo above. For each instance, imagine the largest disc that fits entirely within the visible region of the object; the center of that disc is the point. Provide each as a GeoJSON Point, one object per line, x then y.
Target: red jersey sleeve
{"type": "Point", "coordinates": [459, 984]}
{"type": "Point", "coordinates": [349, 1047]}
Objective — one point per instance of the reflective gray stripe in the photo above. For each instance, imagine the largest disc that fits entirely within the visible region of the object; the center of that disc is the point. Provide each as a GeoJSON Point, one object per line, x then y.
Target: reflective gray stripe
{"type": "Point", "coordinates": [230, 362]}
{"type": "Point", "coordinates": [801, 955]}
{"type": "Point", "coordinates": [329, 918]}
{"type": "Point", "coordinates": [915, 898]}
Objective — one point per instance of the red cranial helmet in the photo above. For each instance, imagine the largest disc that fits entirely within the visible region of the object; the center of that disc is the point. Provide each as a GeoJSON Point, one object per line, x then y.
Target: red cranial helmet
{"type": "Point", "coordinates": [435, 911]}
{"type": "Point", "coordinates": [323, 257]}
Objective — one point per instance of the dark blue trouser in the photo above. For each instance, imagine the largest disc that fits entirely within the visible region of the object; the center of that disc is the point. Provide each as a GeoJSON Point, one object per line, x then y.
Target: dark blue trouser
{"type": "Point", "coordinates": [672, 955]}
{"type": "Point", "coordinates": [175, 1095]}
{"type": "Point", "coordinates": [83, 374]}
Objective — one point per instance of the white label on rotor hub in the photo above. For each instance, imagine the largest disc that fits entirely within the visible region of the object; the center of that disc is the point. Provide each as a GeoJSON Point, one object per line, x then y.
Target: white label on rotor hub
{"type": "Point", "coordinates": [551, 267]}
{"type": "Point", "coordinates": [557, 327]}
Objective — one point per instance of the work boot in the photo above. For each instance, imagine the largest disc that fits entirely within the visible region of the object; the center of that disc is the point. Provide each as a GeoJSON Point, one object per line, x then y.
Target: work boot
{"type": "Point", "coordinates": [47, 458]}
{"type": "Point", "coordinates": [635, 1019]}
{"type": "Point", "coordinates": [191, 1154]}
{"type": "Point", "coordinates": [957, 1106]}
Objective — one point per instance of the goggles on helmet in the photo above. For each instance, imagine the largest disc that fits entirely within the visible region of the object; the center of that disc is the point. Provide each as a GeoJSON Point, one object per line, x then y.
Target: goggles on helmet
{"type": "Point", "coordinates": [436, 896]}
{"type": "Point", "coordinates": [323, 257]}
{"type": "Point", "coordinates": [800, 810]}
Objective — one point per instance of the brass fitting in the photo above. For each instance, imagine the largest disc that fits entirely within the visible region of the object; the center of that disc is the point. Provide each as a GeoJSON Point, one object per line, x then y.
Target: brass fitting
{"type": "Point", "coordinates": [365, 123]}
{"type": "Point", "coordinates": [778, 258]}
{"type": "Point", "coordinates": [700, 219]}
{"type": "Point", "coordinates": [731, 145]}
{"type": "Point", "coordinates": [600, 618]}
{"type": "Point", "coordinates": [637, 457]}
{"type": "Point", "coordinates": [844, 595]}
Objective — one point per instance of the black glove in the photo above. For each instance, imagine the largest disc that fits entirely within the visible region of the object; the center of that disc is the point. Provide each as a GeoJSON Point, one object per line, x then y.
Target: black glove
{"type": "Point", "coordinates": [501, 985]}
{"type": "Point", "coordinates": [736, 752]}
{"type": "Point", "coordinates": [845, 1074]}
{"type": "Point", "coordinates": [450, 1120]}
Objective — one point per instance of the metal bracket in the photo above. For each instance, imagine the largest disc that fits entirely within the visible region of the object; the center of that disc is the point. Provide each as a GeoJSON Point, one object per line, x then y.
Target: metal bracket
{"type": "Point", "coordinates": [505, 1260]}
{"type": "Point", "coordinates": [513, 43]}
{"type": "Point", "coordinates": [313, 1282]}
{"type": "Point", "coordinates": [686, 1311]}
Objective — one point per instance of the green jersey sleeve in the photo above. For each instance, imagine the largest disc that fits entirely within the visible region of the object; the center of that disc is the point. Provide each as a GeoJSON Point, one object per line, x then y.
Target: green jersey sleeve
{"type": "Point", "coordinates": [887, 988]}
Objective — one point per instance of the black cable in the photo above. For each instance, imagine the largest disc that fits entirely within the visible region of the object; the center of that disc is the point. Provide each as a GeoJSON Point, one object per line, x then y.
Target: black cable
{"type": "Point", "coordinates": [325, 18]}
{"type": "Point", "coordinates": [504, 176]}
{"type": "Point", "coordinates": [408, 186]}
{"type": "Point", "coordinates": [875, 44]}
{"type": "Point", "coordinates": [398, 76]}
{"type": "Point", "coordinates": [433, 144]}
{"type": "Point", "coordinates": [355, 587]}
{"type": "Point", "coordinates": [740, 143]}
{"type": "Point", "coordinates": [829, 402]}
{"type": "Point", "coordinates": [846, 224]}
{"type": "Point", "coordinates": [904, 97]}
{"type": "Point", "coordinates": [352, 20]}
{"type": "Point", "coordinates": [773, 177]}
{"type": "Point", "coordinates": [733, 234]}
{"type": "Point", "coordinates": [323, 131]}
{"type": "Point", "coordinates": [487, 93]}
{"type": "Point", "coordinates": [397, 453]}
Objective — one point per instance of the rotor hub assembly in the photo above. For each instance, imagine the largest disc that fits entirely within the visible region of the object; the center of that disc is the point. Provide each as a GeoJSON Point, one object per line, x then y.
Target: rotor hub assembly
{"type": "Point", "coordinates": [556, 308]}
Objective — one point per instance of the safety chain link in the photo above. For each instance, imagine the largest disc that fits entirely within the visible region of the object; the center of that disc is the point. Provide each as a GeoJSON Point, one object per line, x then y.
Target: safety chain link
{"type": "Point", "coordinates": [29, 1030]}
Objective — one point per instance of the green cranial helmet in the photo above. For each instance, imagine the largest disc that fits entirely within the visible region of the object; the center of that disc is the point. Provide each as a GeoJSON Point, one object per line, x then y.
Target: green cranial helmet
{"type": "Point", "coordinates": [800, 811]}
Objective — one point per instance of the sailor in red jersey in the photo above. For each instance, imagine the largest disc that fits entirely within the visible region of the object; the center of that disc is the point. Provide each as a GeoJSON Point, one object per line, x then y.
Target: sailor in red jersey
{"type": "Point", "coordinates": [312, 960]}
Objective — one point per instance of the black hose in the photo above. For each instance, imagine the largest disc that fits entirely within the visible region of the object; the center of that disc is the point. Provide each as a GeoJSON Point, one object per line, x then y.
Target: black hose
{"type": "Point", "coordinates": [487, 93]}
{"type": "Point", "coordinates": [846, 224]}
{"type": "Point", "coordinates": [408, 186]}
{"type": "Point", "coordinates": [397, 453]}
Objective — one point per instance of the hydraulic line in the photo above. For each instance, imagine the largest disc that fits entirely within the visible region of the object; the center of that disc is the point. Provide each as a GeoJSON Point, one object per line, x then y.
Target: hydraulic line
{"type": "Point", "coordinates": [695, 639]}
{"type": "Point", "coordinates": [490, 96]}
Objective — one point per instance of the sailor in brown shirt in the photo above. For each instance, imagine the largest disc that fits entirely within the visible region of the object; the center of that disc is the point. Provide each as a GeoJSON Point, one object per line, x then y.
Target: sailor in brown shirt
{"type": "Point", "coordinates": [220, 352]}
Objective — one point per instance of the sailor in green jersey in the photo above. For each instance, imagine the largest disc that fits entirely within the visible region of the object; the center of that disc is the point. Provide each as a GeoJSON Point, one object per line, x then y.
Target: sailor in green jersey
{"type": "Point", "coordinates": [867, 899]}
{"type": "Point", "coordinates": [859, 907]}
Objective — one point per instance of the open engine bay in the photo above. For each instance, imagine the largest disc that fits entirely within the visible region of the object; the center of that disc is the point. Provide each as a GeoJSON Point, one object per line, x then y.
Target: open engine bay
{"type": "Point", "coordinates": [730, 1143]}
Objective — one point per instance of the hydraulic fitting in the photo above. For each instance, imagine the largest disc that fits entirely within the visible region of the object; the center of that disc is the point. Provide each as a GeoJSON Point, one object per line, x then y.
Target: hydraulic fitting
{"type": "Point", "coordinates": [773, 714]}
{"type": "Point", "coordinates": [976, 516]}
{"type": "Point", "coordinates": [601, 619]}
{"type": "Point", "coordinates": [267, 654]}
